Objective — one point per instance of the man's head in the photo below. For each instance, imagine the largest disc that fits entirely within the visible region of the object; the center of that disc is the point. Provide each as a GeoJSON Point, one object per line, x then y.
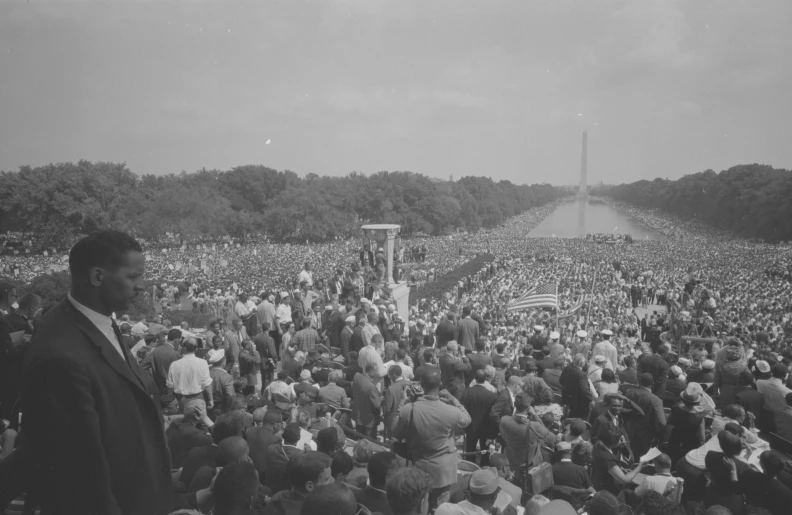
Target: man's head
{"type": "Point", "coordinates": [235, 489]}
{"type": "Point", "coordinates": [483, 488]}
{"type": "Point", "coordinates": [452, 347]}
{"type": "Point", "coordinates": [309, 469]}
{"type": "Point", "coordinates": [327, 440]}
{"type": "Point", "coordinates": [522, 401]}
{"type": "Point", "coordinates": [190, 345]}
{"type": "Point", "coordinates": [408, 490]}
{"type": "Point", "coordinates": [662, 464]}
{"type": "Point", "coordinates": [291, 434]}
{"type": "Point", "coordinates": [228, 425]}
{"type": "Point", "coordinates": [174, 335]}
{"type": "Point", "coordinates": [564, 450]}
{"type": "Point", "coordinates": [480, 376]}
{"type": "Point", "coordinates": [231, 450]}
{"type": "Point", "coordinates": [380, 466]}
{"type": "Point", "coordinates": [779, 371]}
{"type": "Point", "coordinates": [107, 271]}
{"type": "Point", "coordinates": [29, 305]}
{"type": "Point", "coordinates": [237, 324]}
{"type": "Point", "coordinates": [734, 412]}
{"type": "Point", "coordinates": [466, 311]}
{"type": "Point", "coordinates": [501, 464]}
{"type": "Point", "coordinates": [430, 381]}
{"type": "Point", "coordinates": [429, 356]}
{"type": "Point", "coordinates": [614, 403]}
{"type": "Point", "coordinates": [395, 372]}
{"type": "Point", "coordinates": [646, 380]}
{"type": "Point", "coordinates": [514, 384]}
{"type": "Point", "coordinates": [481, 344]}
{"type": "Point", "coordinates": [333, 499]}
{"type": "Point", "coordinates": [629, 362]}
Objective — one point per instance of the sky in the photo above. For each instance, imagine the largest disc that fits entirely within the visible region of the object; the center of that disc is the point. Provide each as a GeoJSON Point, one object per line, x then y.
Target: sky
{"type": "Point", "coordinates": [498, 88]}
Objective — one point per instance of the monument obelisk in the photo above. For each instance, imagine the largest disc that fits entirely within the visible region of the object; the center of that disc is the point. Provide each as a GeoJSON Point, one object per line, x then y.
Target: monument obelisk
{"type": "Point", "coordinates": [582, 193]}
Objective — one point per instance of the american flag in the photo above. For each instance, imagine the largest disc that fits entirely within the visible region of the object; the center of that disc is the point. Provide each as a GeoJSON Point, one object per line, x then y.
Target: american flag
{"type": "Point", "coordinates": [540, 296]}
{"type": "Point", "coordinates": [574, 308]}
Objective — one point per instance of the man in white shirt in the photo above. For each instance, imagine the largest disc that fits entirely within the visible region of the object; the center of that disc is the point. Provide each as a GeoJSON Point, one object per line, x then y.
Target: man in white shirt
{"type": "Point", "coordinates": [661, 482]}
{"type": "Point", "coordinates": [189, 376]}
{"type": "Point", "coordinates": [774, 389]}
{"type": "Point", "coordinates": [306, 275]}
{"type": "Point", "coordinates": [245, 309]}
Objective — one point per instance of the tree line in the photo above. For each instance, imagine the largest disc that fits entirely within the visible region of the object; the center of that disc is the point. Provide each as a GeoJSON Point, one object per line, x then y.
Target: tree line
{"type": "Point", "coordinates": [59, 202]}
{"type": "Point", "coordinates": [752, 201]}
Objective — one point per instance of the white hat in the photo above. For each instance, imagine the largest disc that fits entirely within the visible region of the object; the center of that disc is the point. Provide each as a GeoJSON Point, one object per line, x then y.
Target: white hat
{"type": "Point", "coordinates": [600, 359]}
{"type": "Point", "coordinates": [364, 300]}
{"type": "Point", "coordinates": [607, 332]}
{"type": "Point", "coordinates": [350, 318]}
{"type": "Point", "coordinates": [554, 335]}
{"type": "Point", "coordinates": [328, 308]}
{"type": "Point", "coordinates": [215, 356]}
{"type": "Point", "coordinates": [708, 364]}
{"type": "Point", "coordinates": [763, 366]}
{"type": "Point", "coordinates": [538, 328]}
{"type": "Point", "coordinates": [676, 370]}
{"type": "Point", "coordinates": [582, 334]}
{"type": "Point", "coordinates": [305, 374]}
{"type": "Point", "coordinates": [284, 294]}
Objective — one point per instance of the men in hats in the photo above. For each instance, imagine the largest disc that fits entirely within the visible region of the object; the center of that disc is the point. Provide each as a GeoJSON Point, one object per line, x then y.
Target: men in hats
{"type": "Point", "coordinates": [607, 349]}
{"type": "Point", "coordinates": [556, 349]}
{"type": "Point", "coordinates": [537, 340]}
{"type": "Point", "coordinates": [483, 491]}
{"type": "Point", "coordinates": [222, 383]}
{"type": "Point", "coordinates": [566, 473]}
{"type": "Point", "coordinates": [582, 345]}
{"type": "Point", "coordinates": [706, 374]}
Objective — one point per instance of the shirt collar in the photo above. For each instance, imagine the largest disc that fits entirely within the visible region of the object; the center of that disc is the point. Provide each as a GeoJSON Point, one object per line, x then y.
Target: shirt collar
{"type": "Point", "coordinates": [101, 321]}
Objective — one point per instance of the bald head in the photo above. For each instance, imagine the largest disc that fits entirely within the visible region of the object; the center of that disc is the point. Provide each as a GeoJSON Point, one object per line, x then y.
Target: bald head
{"type": "Point", "coordinates": [232, 450]}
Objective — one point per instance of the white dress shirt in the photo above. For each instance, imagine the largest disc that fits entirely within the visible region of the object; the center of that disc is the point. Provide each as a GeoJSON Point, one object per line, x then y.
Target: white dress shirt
{"type": "Point", "coordinates": [102, 322]}
{"type": "Point", "coordinates": [188, 375]}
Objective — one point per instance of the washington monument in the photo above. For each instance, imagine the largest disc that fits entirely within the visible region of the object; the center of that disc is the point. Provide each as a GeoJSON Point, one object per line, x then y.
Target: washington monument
{"type": "Point", "coordinates": [582, 193]}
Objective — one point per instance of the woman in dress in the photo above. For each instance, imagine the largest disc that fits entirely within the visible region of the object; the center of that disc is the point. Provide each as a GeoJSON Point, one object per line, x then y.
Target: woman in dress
{"type": "Point", "coordinates": [607, 384]}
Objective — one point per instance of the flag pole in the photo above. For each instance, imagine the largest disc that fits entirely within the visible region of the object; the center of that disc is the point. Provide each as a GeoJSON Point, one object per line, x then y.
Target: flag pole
{"type": "Point", "coordinates": [556, 309]}
{"type": "Point", "coordinates": [593, 283]}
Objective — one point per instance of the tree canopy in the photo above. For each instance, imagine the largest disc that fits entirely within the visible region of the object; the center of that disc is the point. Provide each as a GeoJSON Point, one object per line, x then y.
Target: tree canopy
{"type": "Point", "coordinates": [59, 202]}
{"type": "Point", "coordinates": [752, 201]}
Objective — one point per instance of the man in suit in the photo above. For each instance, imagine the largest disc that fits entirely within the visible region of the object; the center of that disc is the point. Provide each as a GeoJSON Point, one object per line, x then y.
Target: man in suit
{"type": "Point", "coordinates": [109, 455]}
{"type": "Point", "coordinates": [366, 401]}
{"type": "Point", "coordinates": [277, 458]}
{"type": "Point", "coordinates": [336, 284]}
{"type": "Point", "coordinates": [357, 340]}
{"type": "Point", "coordinates": [629, 375]}
{"type": "Point", "coordinates": [657, 366]}
{"type": "Point", "coordinates": [566, 473]}
{"type": "Point", "coordinates": [478, 359]}
{"type": "Point", "coordinates": [393, 396]}
{"type": "Point", "coordinates": [513, 429]}
{"type": "Point", "coordinates": [265, 346]}
{"type": "Point", "coordinates": [478, 402]}
{"type": "Point", "coordinates": [333, 324]}
{"type": "Point", "coordinates": [262, 435]}
{"type": "Point", "coordinates": [346, 335]}
{"type": "Point", "coordinates": [575, 389]}
{"type": "Point", "coordinates": [747, 397]}
{"type": "Point", "coordinates": [234, 338]}
{"type": "Point", "coordinates": [504, 404]}
{"type": "Point", "coordinates": [644, 430]}
{"type": "Point", "coordinates": [373, 497]}
{"type": "Point", "coordinates": [163, 356]}
{"type": "Point", "coordinates": [446, 331]}
{"type": "Point", "coordinates": [468, 330]}
{"type": "Point", "coordinates": [453, 369]}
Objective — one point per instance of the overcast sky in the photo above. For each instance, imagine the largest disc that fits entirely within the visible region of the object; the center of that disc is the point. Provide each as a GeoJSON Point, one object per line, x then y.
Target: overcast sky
{"type": "Point", "coordinates": [464, 87]}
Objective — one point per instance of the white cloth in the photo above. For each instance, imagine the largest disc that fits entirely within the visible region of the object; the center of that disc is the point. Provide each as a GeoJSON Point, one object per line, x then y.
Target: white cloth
{"type": "Point", "coordinates": [188, 375]}
{"type": "Point", "coordinates": [284, 314]}
{"type": "Point", "coordinates": [306, 276]}
{"type": "Point", "coordinates": [102, 322]}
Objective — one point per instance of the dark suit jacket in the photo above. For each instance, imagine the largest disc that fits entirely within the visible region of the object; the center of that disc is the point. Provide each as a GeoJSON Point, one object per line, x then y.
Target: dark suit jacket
{"type": "Point", "coordinates": [575, 389]}
{"type": "Point", "coordinates": [751, 400]}
{"type": "Point", "coordinates": [658, 367]}
{"type": "Point", "coordinates": [277, 458]}
{"type": "Point", "coordinates": [566, 473]}
{"type": "Point", "coordinates": [468, 333]}
{"type": "Point", "coordinates": [259, 439]}
{"type": "Point", "coordinates": [628, 375]}
{"type": "Point", "coordinates": [374, 500]}
{"type": "Point", "coordinates": [478, 402]}
{"type": "Point", "coordinates": [445, 332]}
{"type": "Point", "coordinates": [92, 422]}
{"type": "Point", "coordinates": [265, 346]}
{"type": "Point", "coordinates": [161, 359]}
{"type": "Point", "coordinates": [366, 401]}
{"type": "Point", "coordinates": [452, 371]}
{"type": "Point", "coordinates": [357, 339]}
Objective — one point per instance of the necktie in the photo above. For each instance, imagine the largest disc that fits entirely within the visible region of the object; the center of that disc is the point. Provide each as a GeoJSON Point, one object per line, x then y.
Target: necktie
{"type": "Point", "coordinates": [117, 332]}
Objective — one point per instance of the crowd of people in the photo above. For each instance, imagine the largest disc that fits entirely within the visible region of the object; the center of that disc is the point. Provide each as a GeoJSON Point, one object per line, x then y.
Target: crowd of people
{"type": "Point", "coordinates": [309, 393]}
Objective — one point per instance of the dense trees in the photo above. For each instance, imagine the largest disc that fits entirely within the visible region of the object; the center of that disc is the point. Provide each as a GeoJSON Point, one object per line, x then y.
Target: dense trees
{"type": "Point", "coordinates": [59, 202]}
{"type": "Point", "coordinates": [753, 201]}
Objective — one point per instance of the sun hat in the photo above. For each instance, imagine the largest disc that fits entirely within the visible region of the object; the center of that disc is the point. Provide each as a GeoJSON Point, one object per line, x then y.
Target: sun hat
{"type": "Point", "coordinates": [708, 364]}
{"type": "Point", "coordinates": [483, 482]}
